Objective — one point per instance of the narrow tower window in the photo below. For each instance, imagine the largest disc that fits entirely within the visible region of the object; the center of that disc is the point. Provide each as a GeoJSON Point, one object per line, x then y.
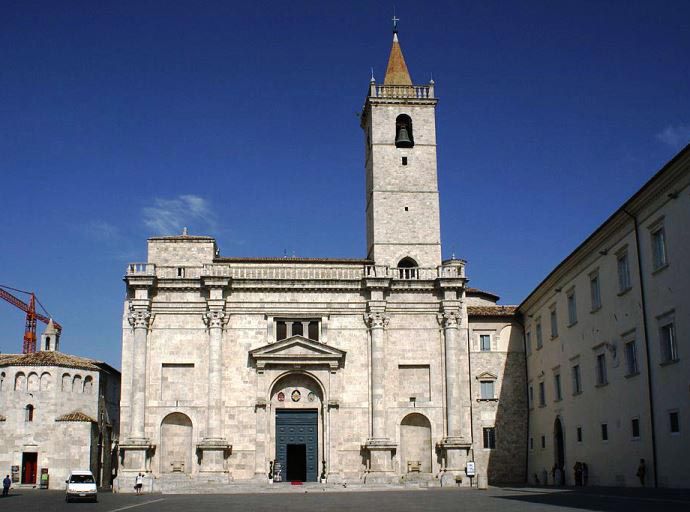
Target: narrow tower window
{"type": "Point", "coordinates": [403, 132]}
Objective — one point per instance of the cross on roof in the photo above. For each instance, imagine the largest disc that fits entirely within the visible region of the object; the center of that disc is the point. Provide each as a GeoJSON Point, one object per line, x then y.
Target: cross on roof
{"type": "Point", "coordinates": [395, 23]}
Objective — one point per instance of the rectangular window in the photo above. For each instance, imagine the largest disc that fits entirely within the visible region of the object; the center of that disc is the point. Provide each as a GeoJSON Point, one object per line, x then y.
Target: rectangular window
{"type": "Point", "coordinates": [631, 358]}
{"type": "Point", "coordinates": [601, 370]}
{"type": "Point", "coordinates": [531, 443]}
{"type": "Point", "coordinates": [572, 308]}
{"type": "Point", "coordinates": [404, 160]}
{"type": "Point", "coordinates": [604, 432]}
{"type": "Point", "coordinates": [595, 291]}
{"type": "Point", "coordinates": [554, 322]}
{"type": "Point", "coordinates": [577, 380]}
{"type": "Point", "coordinates": [543, 442]}
{"type": "Point", "coordinates": [487, 390]}
{"type": "Point", "coordinates": [286, 328]}
{"type": "Point", "coordinates": [659, 248]}
{"type": "Point", "coordinates": [674, 422]}
{"type": "Point", "coordinates": [489, 437]}
{"type": "Point", "coordinates": [531, 397]}
{"type": "Point", "coordinates": [484, 342]}
{"type": "Point", "coordinates": [623, 273]}
{"type": "Point", "coordinates": [528, 342]}
{"type": "Point", "coordinates": [667, 337]}
{"type": "Point", "coordinates": [542, 395]}
{"type": "Point", "coordinates": [579, 434]}
{"type": "Point", "coordinates": [635, 426]}
{"type": "Point", "coordinates": [540, 339]}
{"type": "Point", "coordinates": [557, 386]}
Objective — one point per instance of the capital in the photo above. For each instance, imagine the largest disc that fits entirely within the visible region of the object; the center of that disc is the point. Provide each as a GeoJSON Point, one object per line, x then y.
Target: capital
{"type": "Point", "coordinates": [214, 319]}
{"type": "Point", "coordinates": [377, 320]}
{"type": "Point", "coordinates": [449, 319]}
{"type": "Point", "coordinates": [138, 318]}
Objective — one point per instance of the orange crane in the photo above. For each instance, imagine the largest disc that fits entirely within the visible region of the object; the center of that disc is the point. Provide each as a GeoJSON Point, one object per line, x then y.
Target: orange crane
{"type": "Point", "coordinates": [29, 345]}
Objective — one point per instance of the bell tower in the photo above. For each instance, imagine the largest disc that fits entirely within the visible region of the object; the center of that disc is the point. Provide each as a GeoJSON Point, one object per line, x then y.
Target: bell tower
{"type": "Point", "coordinates": [402, 205]}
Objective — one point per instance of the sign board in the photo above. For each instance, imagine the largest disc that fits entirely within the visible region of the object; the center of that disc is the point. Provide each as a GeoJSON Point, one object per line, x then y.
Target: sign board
{"type": "Point", "coordinates": [15, 474]}
{"type": "Point", "coordinates": [469, 469]}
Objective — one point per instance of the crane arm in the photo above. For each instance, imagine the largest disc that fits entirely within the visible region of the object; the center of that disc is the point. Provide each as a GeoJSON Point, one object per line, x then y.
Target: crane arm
{"type": "Point", "coordinates": [26, 308]}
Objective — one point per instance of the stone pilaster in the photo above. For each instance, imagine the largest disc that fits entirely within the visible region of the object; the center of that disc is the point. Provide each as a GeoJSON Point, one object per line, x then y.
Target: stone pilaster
{"type": "Point", "coordinates": [136, 446]}
{"type": "Point", "coordinates": [378, 445]}
{"type": "Point", "coordinates": [214, 446]}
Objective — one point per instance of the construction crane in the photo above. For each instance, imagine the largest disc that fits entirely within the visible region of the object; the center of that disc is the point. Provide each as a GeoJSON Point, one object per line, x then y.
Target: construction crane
{"type": "Point", "coordinates": [29, 346]}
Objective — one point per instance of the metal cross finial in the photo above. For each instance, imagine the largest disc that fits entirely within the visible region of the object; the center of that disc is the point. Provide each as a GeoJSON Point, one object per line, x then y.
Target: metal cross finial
{"type": "Point", "coordinates": [395, 24]}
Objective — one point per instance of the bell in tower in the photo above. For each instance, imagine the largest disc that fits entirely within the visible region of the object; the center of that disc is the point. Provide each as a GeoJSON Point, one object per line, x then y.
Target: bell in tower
{"type": "Point", "coordinates": [403, 132]}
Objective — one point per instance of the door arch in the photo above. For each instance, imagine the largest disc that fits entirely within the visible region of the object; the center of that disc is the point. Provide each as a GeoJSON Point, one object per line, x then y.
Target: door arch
{"type": "Point", "coordinates": [176, 443]}
{"type": "Point", "coordinates": [415, 442]}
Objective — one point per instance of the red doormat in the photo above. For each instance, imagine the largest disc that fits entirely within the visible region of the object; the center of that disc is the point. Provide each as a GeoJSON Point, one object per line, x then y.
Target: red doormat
{"type": "Point", "coordinates": [296, 482]}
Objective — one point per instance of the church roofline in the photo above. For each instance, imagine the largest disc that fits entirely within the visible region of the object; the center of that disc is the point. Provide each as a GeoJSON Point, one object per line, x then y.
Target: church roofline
{"type": "Point", "coordinates": [287, 261]}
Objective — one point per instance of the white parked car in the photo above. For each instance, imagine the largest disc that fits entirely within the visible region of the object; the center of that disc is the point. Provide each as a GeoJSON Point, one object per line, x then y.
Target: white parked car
{"type": "Point", "coordinates": [81, 485]}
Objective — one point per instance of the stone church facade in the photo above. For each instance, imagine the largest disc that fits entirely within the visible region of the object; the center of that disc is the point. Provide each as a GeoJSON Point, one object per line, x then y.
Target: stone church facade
{"type": "Point", "coordinates": [382, 369]}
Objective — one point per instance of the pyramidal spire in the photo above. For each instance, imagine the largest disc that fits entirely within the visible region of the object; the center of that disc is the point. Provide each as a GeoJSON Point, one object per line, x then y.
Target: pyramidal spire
{"type": "Point", "coordinates": [396, 72]}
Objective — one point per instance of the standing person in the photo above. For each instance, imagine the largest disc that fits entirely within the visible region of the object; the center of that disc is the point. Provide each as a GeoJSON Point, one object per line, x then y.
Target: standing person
{"type": "Point", "coordinates": [139, 483]}
{"type": "Point", "coordinates": [6, 485]}
{"type": "Point", "coordinates": [641, 471]}
{"type": "Point", "coordinates": [585, 473]}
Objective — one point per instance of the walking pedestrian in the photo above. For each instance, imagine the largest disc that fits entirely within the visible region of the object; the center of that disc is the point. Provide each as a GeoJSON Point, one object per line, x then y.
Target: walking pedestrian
{"type": "Point", "coordinates": [641, 472]}
{"type": "Point", "coordinates": [6, 483]}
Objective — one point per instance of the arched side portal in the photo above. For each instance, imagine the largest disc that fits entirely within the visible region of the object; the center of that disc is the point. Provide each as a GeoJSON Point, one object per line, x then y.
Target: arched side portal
{"type": "Point", "coordinates": [415, 443]}
{"type": "Point", "coordinates": [296, 399]}
{"type": "Point", "coordinates": [176, 443]}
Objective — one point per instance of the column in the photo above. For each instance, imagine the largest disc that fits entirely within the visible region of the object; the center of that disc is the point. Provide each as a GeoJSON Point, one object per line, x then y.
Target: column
{"type": "Point", "coordinates": [456, 443]}
{"type": "Point", "coordinates": [379, 447]}
{"type": "Point", "coordinates": [214, 446]}
{"type": "Point", "coordinates": [136, 445]}
{"type": "Point", "coordinates": [139, 320]}
{"type": "Point", "coordinates": [453, 393]}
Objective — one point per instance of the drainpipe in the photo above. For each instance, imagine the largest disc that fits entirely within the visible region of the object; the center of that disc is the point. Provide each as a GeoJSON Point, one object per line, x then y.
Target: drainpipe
{"type": "Point", "coordinates": [646, 344]}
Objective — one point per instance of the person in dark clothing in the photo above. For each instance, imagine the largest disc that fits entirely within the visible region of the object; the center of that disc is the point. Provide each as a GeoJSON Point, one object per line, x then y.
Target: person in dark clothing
{"type": "Point", "coordinates": [585, 473]}
{"type": "Point", "coordinates": [6, 483]}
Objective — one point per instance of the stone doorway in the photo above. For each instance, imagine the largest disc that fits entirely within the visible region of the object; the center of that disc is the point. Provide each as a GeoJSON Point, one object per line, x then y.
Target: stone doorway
{"type": "Point", "coordinates": [176, 443]}
{"type": "Point", "coordinates": [29, 466]}
{"type": "Point", "coordinates": [296, 444]}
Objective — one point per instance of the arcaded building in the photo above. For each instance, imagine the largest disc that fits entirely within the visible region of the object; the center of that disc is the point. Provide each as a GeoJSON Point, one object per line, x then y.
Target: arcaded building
{"type": "Point", "coordinates": [387, 368]}
{"type": "Point", "coordinates": [58, 412]}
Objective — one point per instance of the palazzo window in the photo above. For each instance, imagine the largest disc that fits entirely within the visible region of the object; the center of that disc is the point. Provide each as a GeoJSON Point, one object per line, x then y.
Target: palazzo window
{"type": "Point", "coordinates": [286, 328]}
{"type": "Point", "coordinates": [595, 291]}
{"type": "Point", "coordinates": [577, 380]}
{"type": "Point", "coordinates": [667, 339]}
{"type": "Point", "coordinates": [623, 272]}
{"type": "Point", "coordinates": [484, 342]}
{"type": "Point", "coordinates": [29, 413]}
{"type": "Point", "coordinates": [487, 390]}
{"type": "Point", "coordinates": [489, 437]}
{"type": "Point", "coordinates": [602, 378]}
{"type": "Point", "coordinates": [631, 358]}
{"type": "Point", "coordinates": [659, 247]}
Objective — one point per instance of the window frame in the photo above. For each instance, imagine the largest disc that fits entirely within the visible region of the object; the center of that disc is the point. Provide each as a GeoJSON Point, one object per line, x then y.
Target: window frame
{"type": "Point", "coordinates": [571, 301]}
{"type": "Point", "coordinates": [635, 420]}
{"type": "Point", "coordinates": [557, 385]}
{"type": "Point", "coordinates": [595, 291]}
{"type": "Point", "coordinates": [489, 438]}
{"type": "Point", "coordinates": [659, 258]}
{"type": "Point", "coordinates": [481, 342]}
{"type": "Point", "coordinates": [601, 370]}
{"type": "Point", "coordinates": [542, 394]}
{"type": "Point", "coordinates": [553, 320]}
{"type": "Point", "coordinates": [485, 383]}
{"type": "Point", "coordinates": [623, 271]}
{"type": "Point", "coordinates": [668, 346]}
{"type": "Point", "coordinates": [676, 413]}
{"type": "Point", "coordinates": [632, 367]}
{"type": "Point", "coordinates": [539, 333]}
{"type": "Point", "coordinates": [604, 431]}
{"type": "Point", "coordinates": [576, 373]}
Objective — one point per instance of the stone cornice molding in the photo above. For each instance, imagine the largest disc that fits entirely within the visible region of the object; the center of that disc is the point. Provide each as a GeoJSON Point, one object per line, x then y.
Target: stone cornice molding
{"type": "Point", "coordinates": [377, 320]}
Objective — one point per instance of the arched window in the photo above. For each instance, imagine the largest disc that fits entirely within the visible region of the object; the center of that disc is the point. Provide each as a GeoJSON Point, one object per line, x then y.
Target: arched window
{"type": "Point", "coordinates": [33, 383]}
{"type": "Point", "coordinates": [88, 385]}
{"type": "Point", "coordinates": [77, 386]}
{"type": "Point", "coordinates": [20, 382]}
{"type": "Point", "coordinates": [407, 268]}
{"type": "Point", "coordinates": [2, 380]}
{"type": "Point", "coordinates": [403, 132]}
{"type": "Point", "coordinates": [66, 382]}
{"type": "Point", "coordinates": [47, 342]}
{"type": "Point", "coordinates": [29, 413]}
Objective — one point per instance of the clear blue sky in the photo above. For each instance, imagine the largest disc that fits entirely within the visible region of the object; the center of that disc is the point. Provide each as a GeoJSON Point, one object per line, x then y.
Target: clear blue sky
{"type": "Point", "coordinates": [122, 120]}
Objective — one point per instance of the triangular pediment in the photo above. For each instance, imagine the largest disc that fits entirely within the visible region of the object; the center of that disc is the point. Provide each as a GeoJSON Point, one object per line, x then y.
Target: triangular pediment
{"type": "Point", "coordinates": [486, 376]}
{"type": "Point", "coordinates": [298, 350]}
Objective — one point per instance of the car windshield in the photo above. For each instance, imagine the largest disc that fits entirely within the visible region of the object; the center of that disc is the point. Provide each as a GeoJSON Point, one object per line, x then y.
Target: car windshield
{"type": "Point", "coordinates": [81, 479]}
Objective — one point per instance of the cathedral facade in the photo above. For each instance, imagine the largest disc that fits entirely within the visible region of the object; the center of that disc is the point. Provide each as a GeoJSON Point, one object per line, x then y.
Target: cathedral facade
{"type": "Point", "coordinates": [388, 368]}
